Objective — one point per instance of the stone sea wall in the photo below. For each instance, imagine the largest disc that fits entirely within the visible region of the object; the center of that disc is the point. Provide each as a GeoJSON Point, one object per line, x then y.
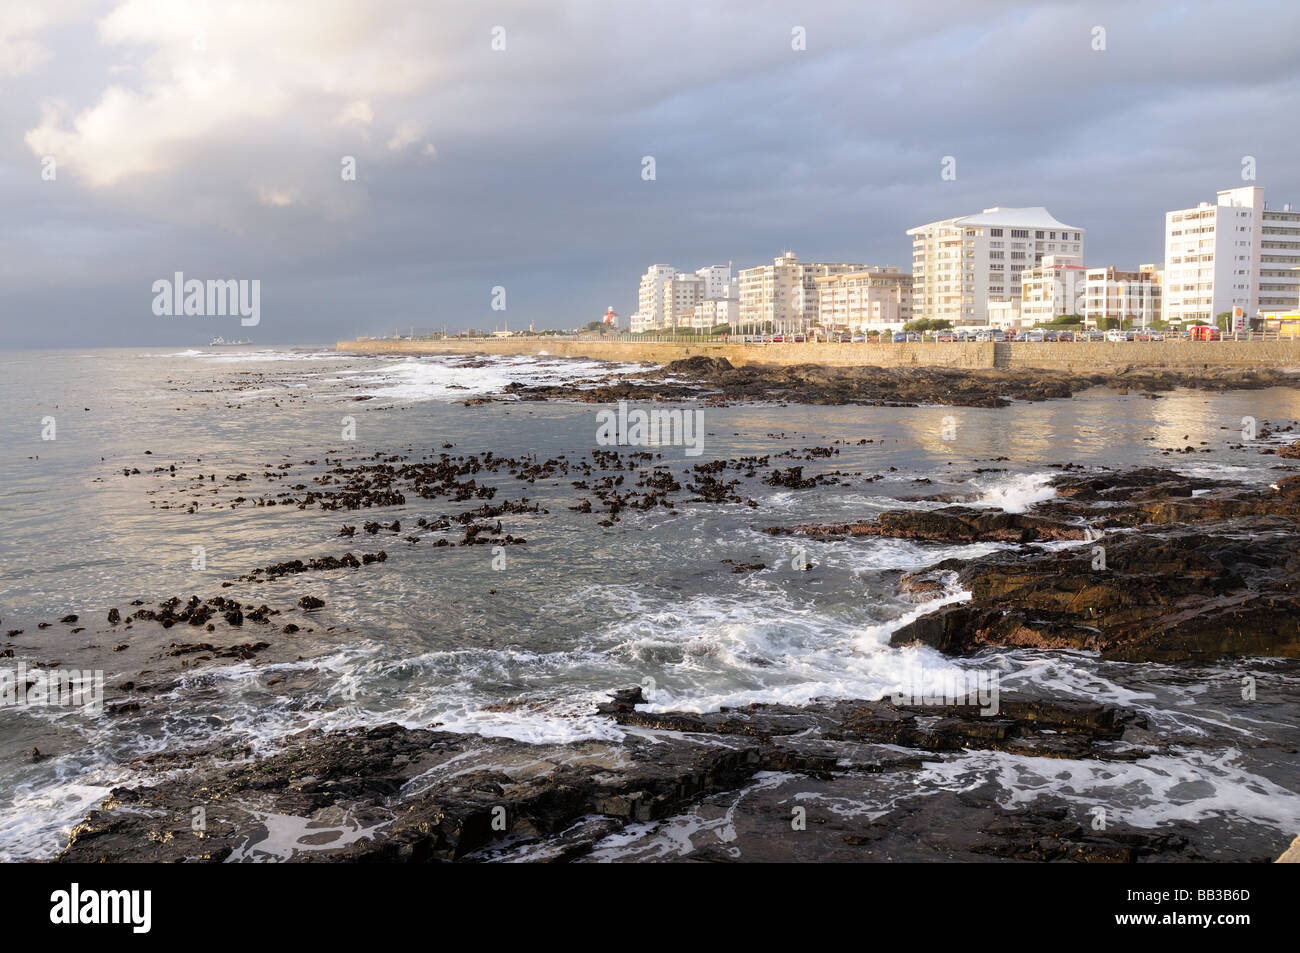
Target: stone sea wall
{"type": "Point", "coordinates": [1070, 356]}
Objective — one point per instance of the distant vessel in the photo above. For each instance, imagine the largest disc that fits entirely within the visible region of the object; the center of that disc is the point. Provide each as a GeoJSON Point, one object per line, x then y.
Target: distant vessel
{"type": "Point", "coordinates": [222, 342]}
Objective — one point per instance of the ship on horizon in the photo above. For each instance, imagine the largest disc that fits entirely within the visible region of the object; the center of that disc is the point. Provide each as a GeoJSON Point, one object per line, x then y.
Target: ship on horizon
{"type": "Point", "coordinates": [222, 342]}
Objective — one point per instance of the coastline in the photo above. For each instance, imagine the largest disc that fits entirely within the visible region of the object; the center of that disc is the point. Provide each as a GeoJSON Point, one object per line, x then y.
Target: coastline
{"type": "Point", "coordinates": [400, 792]}
{"type": "Point", "coordinates": [970, 567]}
{"type": "Point", "coordinates": [1092, 356]}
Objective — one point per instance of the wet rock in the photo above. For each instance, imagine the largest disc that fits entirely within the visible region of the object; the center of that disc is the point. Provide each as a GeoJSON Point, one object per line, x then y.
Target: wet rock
{"type": "Point", "coordinates": [952, 524]}
{"type": "Point", "coordinates": [1202, 571]}
{"type": "Point", "coordinates": [480, 798]}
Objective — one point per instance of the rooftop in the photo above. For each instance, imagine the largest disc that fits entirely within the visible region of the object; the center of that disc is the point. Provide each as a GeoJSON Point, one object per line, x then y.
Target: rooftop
{"type": "Point", "coordinates": [1032, 216]}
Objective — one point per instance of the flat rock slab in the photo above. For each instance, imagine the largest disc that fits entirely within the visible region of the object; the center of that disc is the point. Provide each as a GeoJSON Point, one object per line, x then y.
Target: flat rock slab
{"type": "Point", "coordinates": [393, 793]}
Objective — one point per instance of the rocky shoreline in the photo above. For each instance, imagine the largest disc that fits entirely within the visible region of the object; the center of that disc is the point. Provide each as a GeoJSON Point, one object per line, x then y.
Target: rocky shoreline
{"type": "Point", "coordinates": [1191, 570]}
{"type": "Point", "coordinates": [1174, 568]}
{"type": "Point", "coordinates": [391, 793]}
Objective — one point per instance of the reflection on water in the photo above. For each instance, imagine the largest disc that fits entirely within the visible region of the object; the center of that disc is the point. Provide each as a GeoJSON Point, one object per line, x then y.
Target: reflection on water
{"type": "Point", "coordinates": [439, 635]}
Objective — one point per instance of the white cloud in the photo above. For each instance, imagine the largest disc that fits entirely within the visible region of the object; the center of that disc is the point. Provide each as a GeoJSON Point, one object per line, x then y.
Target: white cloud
{"type": "Point", "coordinates": [19, 19]}
{"type": "Point", "coordinates": [257, 62]}
{"type": "Point", "coordinates": [276, 198]}
{"type": "Point", "coordinates": [407, 133]}
{"type": "Point", "coordinates": [356, 111]}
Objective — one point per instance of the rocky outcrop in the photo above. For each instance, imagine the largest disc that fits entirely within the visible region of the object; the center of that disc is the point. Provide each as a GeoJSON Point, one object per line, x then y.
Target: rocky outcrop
{"type": "Point", "coordinates": [952, 524]}
{"type": "Point", "coordinates": [1198, 571]}
{"type": "Point", "coordinates": [391, 793]}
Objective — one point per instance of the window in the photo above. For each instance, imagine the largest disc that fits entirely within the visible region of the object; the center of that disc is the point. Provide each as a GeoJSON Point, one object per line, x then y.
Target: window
{"type": "Point", "coordinates": [995, 233]}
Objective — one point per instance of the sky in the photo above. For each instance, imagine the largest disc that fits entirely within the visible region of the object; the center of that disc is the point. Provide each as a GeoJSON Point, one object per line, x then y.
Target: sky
{"type": "Point", "coordinates": [503, 145]}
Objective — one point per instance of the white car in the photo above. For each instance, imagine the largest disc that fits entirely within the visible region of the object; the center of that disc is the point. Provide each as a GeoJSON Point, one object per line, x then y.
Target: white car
{"type": "Point", "coordinates": [1114, 334]}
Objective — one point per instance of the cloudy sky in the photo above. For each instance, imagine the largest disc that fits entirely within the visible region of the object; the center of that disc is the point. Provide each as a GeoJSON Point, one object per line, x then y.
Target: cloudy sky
{"type": "Point", "coordinates": [143, 137]}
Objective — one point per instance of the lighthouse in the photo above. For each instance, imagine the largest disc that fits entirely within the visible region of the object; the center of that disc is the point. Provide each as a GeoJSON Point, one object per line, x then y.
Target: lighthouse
{"type": "Point", "coordinates": [611, 318]}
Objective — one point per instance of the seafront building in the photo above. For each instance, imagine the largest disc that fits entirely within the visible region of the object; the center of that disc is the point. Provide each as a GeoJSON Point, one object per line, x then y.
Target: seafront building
{"type": "Point", "coordinates": [1051, 288]}
{"type": "Point", "coordinates": [1233, 253]}
{"type": "Point", "coordinates": [667, 298]}
{"type": "Point", "coordinates": [1131, 298]}
{"type": "Point", "coordinates": [650, 298]}
{"type": "Point", "coordinates": [782, 296]}
{"type": "Point", "coordinates": [960, 265]}
{"type": "Point", "coordinates": [713, 312]}
{"type": "Point", "coordinates": [878, 298]}
{"type": "Point", "coordinates": [682, 292]}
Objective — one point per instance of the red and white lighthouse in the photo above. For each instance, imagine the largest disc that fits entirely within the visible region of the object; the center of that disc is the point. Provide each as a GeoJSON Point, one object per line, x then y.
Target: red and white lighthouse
{"type": "Point", "coordinates": [611, 318]}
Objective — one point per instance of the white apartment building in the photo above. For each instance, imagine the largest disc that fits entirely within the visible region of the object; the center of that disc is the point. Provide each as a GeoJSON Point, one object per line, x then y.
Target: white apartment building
{"type": "Point", "coordinates": [1004, 315]}
{"type": "Point", "coordinates": [712, 312]}
{"type": "Point", "coordinates": [962, 264]}
{"type": "Point", "coordinates": [783, 296]}
{"type": "Point", "coordinates": [1051, 288]}
{"type": "Point", "coordinates": [1130, 297]}
{"type": "Point", "coordinates": [650, 298]}
{"type": "Point", "coordinates": [666, 298]}
{"type": "Point", "coordinates": [681, 293]}
{"type": "Point", "coordinates": [719, 281]}
{"type": "Point", "coordinates": [1234, 253]}
{"type": "Point", "coordinates": [875, 298]}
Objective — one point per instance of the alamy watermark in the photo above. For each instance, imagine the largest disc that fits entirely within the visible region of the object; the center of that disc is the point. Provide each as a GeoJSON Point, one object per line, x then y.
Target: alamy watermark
{"type": "Point", "coordinates": [964, 687]}
{"type": "Point", "coordinates": [651, 428]}
{"type": "Point", "coordinates": [64, 688]}
{"type": "Point", "coordinates": [217, 297]}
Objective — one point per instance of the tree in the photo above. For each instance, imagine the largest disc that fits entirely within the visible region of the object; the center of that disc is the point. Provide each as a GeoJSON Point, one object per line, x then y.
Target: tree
{"type": "Point", "coordinates": [928, 324]}
{"type": "Point", "coordinates": [1061, 319]}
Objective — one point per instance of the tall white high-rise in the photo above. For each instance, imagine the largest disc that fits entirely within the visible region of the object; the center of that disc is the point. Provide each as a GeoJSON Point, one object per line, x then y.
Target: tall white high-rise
{"type": "Point", "coordinates": [1233, 253]}
{"type": "Point", "coordinates": [650, 298]}
{"type": "Point", "coordinates": [961, 264]}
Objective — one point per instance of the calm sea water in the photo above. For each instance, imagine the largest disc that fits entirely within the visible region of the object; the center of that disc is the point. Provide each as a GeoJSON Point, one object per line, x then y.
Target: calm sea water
{"type": "Point", "coordinates": [441, 635]}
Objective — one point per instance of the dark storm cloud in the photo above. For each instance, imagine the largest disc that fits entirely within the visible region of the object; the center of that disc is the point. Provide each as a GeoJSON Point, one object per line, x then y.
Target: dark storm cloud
{"type": "Point", "coordinates": [521, 168]}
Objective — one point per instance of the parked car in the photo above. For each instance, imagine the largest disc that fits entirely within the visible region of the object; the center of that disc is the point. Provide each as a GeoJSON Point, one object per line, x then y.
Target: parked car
{"type": "Point", "coordinates": [1034, 335]}
{"type": "Point", "coordinates": [800, 338]}
{"type": "Point", "coordinates": [1156, 335]}
{"type": "Point", "coordinates": [898, 337]}
{"type": "Point", "coordinates": [1115, 334]}
{"type": "Point", "coordinates": [1204, 332]}
{"type": "Point", "coordinates": [945, 336]}
{"type": "Point", "coordinates": [859, 339]}
{"type": "Point", "coordinates": [1065, 335]}
{"type": "Point", "coordinates": [777, 339]}
{"type": "Point", "coordinates": [997, 336]}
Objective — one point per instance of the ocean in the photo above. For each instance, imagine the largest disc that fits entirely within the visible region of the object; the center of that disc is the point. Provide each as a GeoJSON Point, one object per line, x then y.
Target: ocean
{"type": "Point", "coordinates": [120, 480]}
